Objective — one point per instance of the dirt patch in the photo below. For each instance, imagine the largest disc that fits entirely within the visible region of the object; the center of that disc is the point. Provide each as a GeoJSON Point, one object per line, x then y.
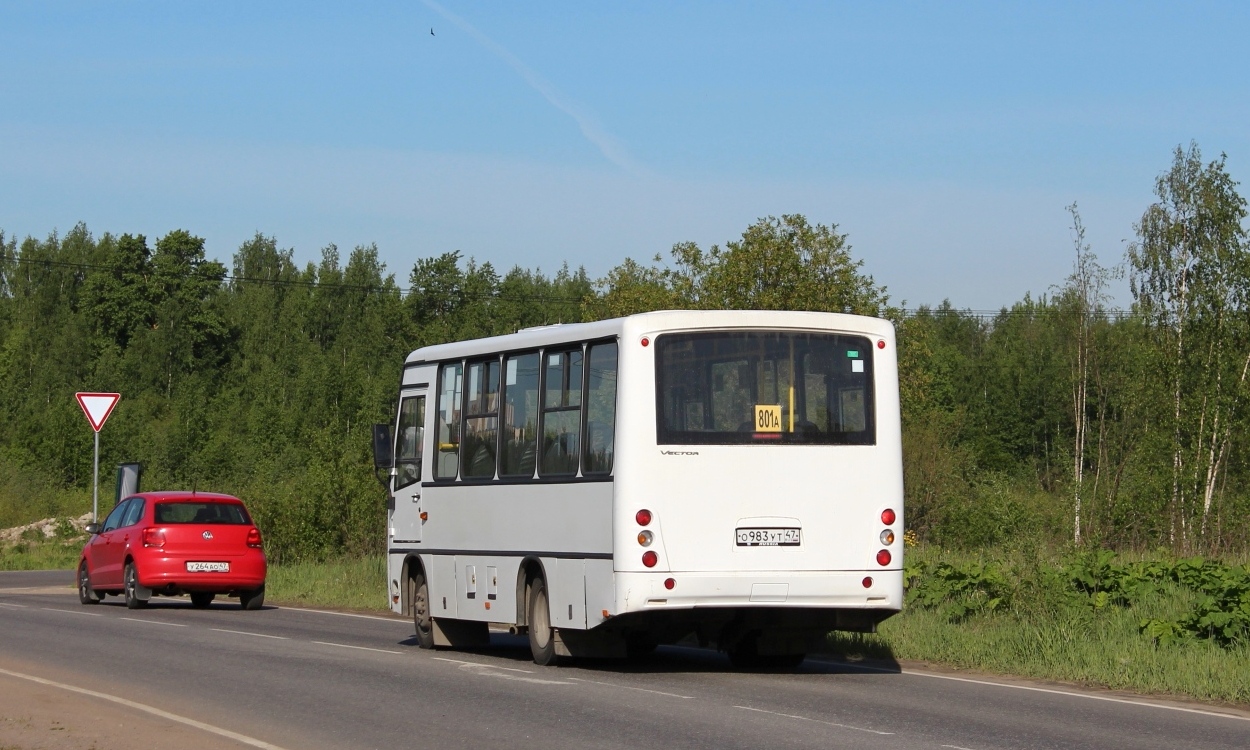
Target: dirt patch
{"type": "Point", "coordinates": [44, 717]}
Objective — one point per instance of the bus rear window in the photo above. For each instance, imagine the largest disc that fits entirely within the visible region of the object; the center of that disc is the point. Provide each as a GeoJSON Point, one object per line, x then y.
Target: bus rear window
{"type": "Point", "coordinates": [764, 387]}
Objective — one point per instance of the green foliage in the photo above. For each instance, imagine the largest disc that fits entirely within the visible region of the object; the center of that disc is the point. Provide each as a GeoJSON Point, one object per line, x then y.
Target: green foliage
{"type": "Point", "coordinates": [960, 590]}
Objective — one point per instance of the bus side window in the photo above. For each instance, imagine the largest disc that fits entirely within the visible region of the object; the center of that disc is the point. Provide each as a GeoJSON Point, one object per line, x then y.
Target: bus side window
{"type": "Point", "coordinates": [520, 416]}
{"type": "Point", "coordinates": [562, 413]}
{"type": "Point", "coordinates": [447, 441]}
{"type": "Point", "coordinates": [481, 420]}
{"type": "Point", "coordinates": [600, 409]}
{"type": "Point", "coordinates": [409, 438]}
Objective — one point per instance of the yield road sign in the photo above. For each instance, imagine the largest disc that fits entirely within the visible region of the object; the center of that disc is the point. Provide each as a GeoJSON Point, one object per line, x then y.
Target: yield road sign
{"type": "Point", "coordinates": [97, 407]}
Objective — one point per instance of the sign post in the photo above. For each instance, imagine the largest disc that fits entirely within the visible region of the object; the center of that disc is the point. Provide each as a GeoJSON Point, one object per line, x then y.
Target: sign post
{"type": "Point", "coordinates": [97, 407]}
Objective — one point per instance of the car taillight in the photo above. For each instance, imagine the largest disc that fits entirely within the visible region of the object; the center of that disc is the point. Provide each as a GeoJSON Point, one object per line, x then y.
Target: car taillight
{"type": "Point", "coordinates": [153, 538]}
{"type": "Point", "coordinates": [253, 537]}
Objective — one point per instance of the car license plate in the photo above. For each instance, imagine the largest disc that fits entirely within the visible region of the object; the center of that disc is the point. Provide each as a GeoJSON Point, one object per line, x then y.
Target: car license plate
{"type": "Point", "coordinates": [208, 567]}
{"type": "Point", "coordinates": [767, 537]}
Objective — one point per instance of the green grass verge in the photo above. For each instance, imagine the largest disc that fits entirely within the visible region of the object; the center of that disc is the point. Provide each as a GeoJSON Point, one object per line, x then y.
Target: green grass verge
{"type": "Point", "coordinates": [345, 583]}
{"type": "Point", "coordinates": [1043, 632]}
{"type": "Point", "coordinates": [52, 554]}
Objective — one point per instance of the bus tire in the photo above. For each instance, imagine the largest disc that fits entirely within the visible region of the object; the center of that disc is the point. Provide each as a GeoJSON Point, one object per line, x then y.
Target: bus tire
{"type": "Point", "coordinates": [421, 619]}
{"type": "Point", "coordinates": [538, 616]}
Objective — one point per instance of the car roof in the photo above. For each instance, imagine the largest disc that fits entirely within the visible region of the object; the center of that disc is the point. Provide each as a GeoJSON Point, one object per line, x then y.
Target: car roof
{"type": "Point", "coordinates": [182, 496]}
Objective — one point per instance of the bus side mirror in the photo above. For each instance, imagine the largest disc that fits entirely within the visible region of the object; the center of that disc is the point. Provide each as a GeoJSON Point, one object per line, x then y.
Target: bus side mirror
{"type": "Point", "coordinates": [383, 440]}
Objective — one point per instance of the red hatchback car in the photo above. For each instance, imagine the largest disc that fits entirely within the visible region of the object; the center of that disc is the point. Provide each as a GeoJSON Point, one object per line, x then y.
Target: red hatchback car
{"type": "Point", "coordinates": [171, 543]}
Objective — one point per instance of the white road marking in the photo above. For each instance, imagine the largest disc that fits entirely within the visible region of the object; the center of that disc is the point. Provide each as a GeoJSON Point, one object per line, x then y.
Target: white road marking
{"type": "Point", "coordinates": [630, 687]}
{"type": "Point", "coordinates": [71, 611]}
{"type": "Point", "coordinates": [956, 747]}
{"type": "Point", "coordinates": [480, 664]}
{"type": "Point", "coordinates": [341, 614]}
{"type": "Point", "coordinates": [1053, 691]}
{"type": "Point", "coordinates": [490, 670]}
{"type": "Point", "coordinates": [258, 635]}
{"type": "Point", "coordinates": [358, 648]}
{"type": "Point", "coordinates": [154, 622]}
{"type": "Point", "coordinates": [149, 709]}
{"type": "Point", "coordinates": [817, 721]}
{"type": "Point", "coordinates": [1071, 694]}
{"type": "Point", "coordinates": [18, 606]}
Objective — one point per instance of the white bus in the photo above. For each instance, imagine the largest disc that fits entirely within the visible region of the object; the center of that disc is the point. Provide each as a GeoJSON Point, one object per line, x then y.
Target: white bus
{"type": "Point", "coordinates": [731, 476]}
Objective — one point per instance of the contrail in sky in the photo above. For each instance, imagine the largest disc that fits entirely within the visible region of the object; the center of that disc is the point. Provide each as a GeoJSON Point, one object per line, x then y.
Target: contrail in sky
{"type": "Point", "coordinates": [590, 128]}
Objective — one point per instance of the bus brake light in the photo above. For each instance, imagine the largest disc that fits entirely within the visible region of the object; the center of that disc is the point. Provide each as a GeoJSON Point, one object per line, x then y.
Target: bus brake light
{"type": "Point", "coordinates": [643, 517]}
{"type": "Point", "coordinates": [883, 557]}
{"type": "Point", "coordinates": [649, 558]}
{"type": "Point", "coordinates": [888, 516]}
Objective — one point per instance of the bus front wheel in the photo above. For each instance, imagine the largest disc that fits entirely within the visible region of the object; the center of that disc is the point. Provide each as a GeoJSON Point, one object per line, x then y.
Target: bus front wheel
{"type": "Point", "coordinates": [421, 611]}
{"type": "Point", "coordinates": [538, 616]}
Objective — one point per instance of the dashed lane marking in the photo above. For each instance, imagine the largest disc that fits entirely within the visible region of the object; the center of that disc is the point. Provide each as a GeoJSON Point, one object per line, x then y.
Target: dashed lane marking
{"type": "Point", "coordinates": [817, 721]}
{"type": "Point", "coordinates": [71, 611]}
{"type": "Point", "coordinates": [341, 614]}
{"type": "Point", "coordinates": [358, 648]}
{"type": "Point", "coordinates": [630, 687]}
{"type": "Point", "coordinates": [258, 635]}
{"type": "Point", "coordinates": [252, 741]}
{"type": "Point", "coordinates": [153, 622]}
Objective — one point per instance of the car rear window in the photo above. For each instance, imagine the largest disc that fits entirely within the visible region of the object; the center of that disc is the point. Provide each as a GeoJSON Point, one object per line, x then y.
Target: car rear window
{"type": "Point", "coordinates": [230, 513]}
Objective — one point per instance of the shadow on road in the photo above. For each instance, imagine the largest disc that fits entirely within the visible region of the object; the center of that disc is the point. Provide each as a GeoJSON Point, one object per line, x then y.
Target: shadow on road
{"type": "Point", "coordinates": [689, 659]}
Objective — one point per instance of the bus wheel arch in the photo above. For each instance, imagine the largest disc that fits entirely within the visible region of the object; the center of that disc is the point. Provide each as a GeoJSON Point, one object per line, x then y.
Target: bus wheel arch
{"type": "Point", "coordinates": [531, 569]}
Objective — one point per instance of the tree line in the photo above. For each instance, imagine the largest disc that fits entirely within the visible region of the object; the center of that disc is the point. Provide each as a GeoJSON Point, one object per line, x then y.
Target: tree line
{"type": "Point", "coordinates": [1056, 420]}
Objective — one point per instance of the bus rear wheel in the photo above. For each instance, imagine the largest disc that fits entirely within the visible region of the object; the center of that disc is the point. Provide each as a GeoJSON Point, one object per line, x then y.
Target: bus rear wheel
{"type": "Point", "coordinates": [538, 616]}
{"type": "Point", "coordinates": [421, 611]}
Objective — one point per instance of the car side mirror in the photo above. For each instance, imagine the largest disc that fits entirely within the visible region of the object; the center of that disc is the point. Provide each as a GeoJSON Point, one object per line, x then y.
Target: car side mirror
{"type": "Point", "coordinates": [383, 440]}
{"type": "Point", "coordinates": [92, 528]}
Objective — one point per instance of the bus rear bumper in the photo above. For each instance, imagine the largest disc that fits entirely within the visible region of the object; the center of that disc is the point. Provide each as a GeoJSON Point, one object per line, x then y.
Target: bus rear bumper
{"type": "Point", "coordinates": [640, 592]}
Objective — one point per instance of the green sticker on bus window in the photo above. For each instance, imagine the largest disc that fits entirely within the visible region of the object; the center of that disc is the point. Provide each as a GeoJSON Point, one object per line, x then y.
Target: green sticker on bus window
{"type": "Point", "coordinates": [852, 352]}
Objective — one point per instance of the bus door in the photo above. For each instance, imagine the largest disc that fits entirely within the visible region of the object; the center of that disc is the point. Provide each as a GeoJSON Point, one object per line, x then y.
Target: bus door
{"type": "Point", "coordinates": [409, 445]}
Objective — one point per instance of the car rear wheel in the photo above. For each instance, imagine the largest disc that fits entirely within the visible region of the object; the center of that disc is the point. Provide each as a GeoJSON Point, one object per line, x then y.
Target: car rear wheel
{"type": "Point", "coordinates": [421, 619]}
{"type": "Point", "coordinates": [253, 599]}
{"type": "Point", "coordinates": [86, 594]}
{"type": "Point", "coordinates": [538, 618]}
{"type": "Point", "coordinates": [132, 588]}
{"type": "Point", "coordinates": [201, 598]}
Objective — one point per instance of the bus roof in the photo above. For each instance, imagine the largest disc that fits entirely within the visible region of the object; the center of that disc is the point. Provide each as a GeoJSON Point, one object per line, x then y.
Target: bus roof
{"type": "Point", "coordinates": [541, 336]}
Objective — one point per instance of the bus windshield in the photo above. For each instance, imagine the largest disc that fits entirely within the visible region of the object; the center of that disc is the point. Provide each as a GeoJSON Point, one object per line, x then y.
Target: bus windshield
{"type": "Point", "coordinates": [764, 387]}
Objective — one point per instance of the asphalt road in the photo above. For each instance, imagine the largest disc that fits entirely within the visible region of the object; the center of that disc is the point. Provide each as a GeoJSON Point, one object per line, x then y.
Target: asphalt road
{"type": "Point", "coordinates": [308, 679]}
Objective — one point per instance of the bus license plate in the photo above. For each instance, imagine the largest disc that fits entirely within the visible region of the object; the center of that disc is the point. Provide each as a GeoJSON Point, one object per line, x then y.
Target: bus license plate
{"type": "Point", "coordinates": [768, 537]}
{"type": "Point", "coordinates": [208, 567]}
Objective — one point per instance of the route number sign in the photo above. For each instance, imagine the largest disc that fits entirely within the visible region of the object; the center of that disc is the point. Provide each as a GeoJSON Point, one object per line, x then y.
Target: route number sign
{"type": "Point", "coordinates": [768, 418]}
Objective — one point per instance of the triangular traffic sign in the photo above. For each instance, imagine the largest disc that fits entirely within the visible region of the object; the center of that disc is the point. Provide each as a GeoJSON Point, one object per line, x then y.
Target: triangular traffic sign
{"type": "Point", "coordinates": [97, 407]}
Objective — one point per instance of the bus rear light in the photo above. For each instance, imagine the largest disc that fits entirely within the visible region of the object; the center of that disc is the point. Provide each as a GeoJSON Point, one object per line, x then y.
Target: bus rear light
{"type": "Point", "coordinates": [649, 558]}
{"type": "Point", "coordinates": [153, 538]}
{"type": "Point", "coordinates": [645, 341]}
{"type": "Point", "coordinates": [880, 343]}
{"type": "Point", "coordinates": [645, 538]}
{"type": "Point", "coordinates": [253, 537]}
{"type": "Point", "coordinates": [643, 517]}
{"type": "Point", "coordinates": [887, 537]}
{"type": "Point", "coordinates": [883, 557]}
{"type": "Point", "coordinates": [669, 583]}
{"type": "Point", "coordinates": [888, 516]}
{"type": "Point", "coordinates": [867, 582]}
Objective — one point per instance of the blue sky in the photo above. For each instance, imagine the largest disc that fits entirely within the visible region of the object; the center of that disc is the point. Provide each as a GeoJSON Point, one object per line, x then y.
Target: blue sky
{"type": "Point", "coordinates": [945, 139]}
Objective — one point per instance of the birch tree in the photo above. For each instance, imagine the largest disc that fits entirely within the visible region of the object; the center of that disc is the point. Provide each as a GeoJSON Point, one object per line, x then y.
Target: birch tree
{"type": "Point", "coordinates": [1190, 278]}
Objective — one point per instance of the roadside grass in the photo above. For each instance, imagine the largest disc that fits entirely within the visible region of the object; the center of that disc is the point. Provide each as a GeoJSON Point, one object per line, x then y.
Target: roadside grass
{"type": "Point", "coordinates": [343, 583]}
{"type": "Point", "coordinates": [1038, 629]}
{"type": "Point", "coordinates": [49, 555]}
